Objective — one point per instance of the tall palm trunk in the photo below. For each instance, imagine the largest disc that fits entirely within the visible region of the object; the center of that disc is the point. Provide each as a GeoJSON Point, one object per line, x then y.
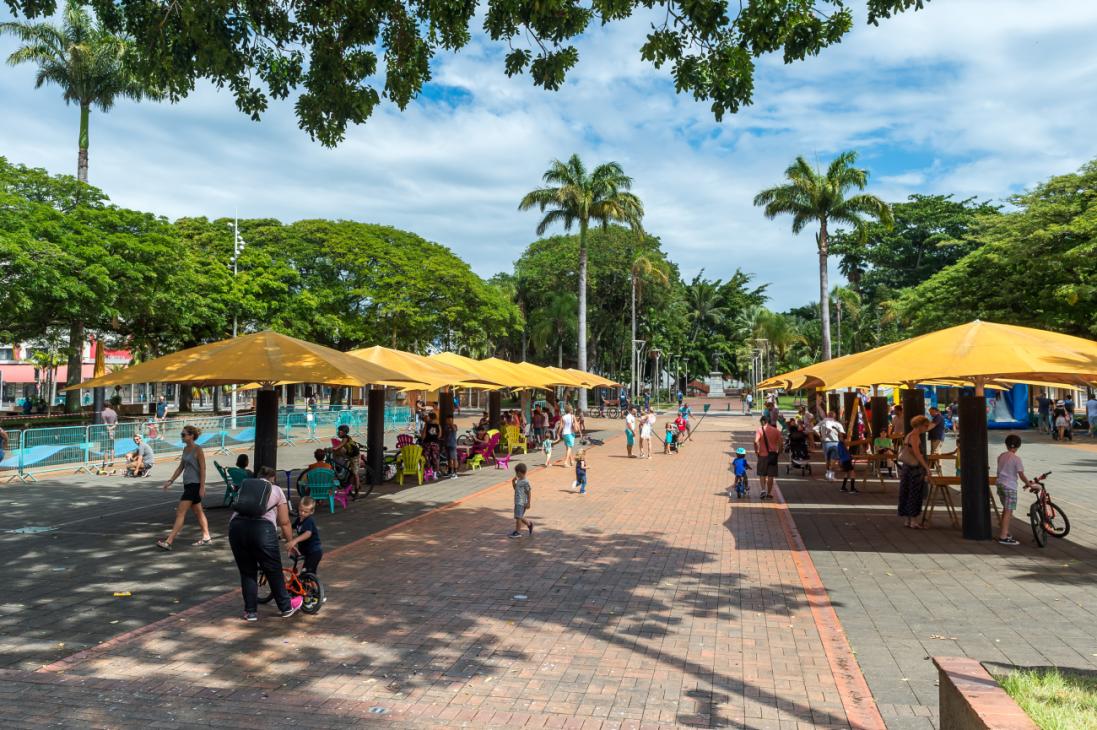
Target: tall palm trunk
{"type": "Point", "coordinates": [824, 288]}
{"type": "Point", "coordinates": [583, 307]}
{"type": "Point", "coordinates": [632, 342]}
{"type": "Point", "coordinates": [560, 353]}
{"type": "Point", "coordinates": [82, 155]}
{"type": "Point", "coordinates": [75, 361]}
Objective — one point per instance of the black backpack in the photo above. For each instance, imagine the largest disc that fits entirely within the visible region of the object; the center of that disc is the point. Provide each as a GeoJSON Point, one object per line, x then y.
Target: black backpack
{"type": "Point", "coordinates": [252, 498]}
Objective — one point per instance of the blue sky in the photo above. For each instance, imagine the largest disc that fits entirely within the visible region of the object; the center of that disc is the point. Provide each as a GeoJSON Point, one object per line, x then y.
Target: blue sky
{"type": "Point", "coordinates": [966, 97]}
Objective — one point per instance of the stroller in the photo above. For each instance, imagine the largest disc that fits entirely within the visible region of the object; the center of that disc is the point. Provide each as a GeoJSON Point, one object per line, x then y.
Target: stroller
{"type": "Point", "coordinates": [798, 452]}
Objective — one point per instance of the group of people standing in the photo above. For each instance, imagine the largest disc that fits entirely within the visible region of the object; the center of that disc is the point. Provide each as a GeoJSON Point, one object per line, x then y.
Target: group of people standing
{"type": "Point", "coordinates": [640, 425]}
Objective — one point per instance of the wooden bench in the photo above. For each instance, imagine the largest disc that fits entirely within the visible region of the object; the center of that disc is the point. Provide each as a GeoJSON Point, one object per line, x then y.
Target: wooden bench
{"type": "Point", "coordinates": [874, 467]}
{"type": "Point", "coordinates": [939, 488]}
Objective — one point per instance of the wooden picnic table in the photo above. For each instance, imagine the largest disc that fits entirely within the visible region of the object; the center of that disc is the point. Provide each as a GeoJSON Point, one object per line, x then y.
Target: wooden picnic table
{"type": "Point", "coordinates": [939, 488]}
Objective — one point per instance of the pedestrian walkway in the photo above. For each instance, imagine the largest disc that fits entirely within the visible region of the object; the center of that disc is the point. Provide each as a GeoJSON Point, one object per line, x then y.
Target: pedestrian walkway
{"type": "Point", "coordinates": [652, 601]}
{"type": "Point", "coordinates": [903, 596]}
{"type": "Point", "coordinates": [85, 538]}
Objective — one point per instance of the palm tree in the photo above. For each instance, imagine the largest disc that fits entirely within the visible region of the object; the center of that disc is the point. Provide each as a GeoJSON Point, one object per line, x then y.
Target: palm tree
{"type": "Point", "coordinates": [811, 196]}
{"type": "Point", "coordinates": [554, 322]}
{"type": "Point", "coordinates": [91, 65]}
{"type": "Point", "coordinates": [573, 196]}
{"type": "Point", "coordinates": [703, 306]}
{"type": "Point", "coordinates": [644, 265]}
{"type": "Point", "coordinates": [780, 333]}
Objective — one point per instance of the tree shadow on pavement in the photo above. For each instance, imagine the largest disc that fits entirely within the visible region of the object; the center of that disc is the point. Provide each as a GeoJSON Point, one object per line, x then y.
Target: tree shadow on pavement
{"type": "Point", "coordinates": [458, 610]}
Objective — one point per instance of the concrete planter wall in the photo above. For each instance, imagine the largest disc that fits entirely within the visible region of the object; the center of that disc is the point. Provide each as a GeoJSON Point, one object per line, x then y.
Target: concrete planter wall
{"type": "Point", "coordinates": [971, 699]}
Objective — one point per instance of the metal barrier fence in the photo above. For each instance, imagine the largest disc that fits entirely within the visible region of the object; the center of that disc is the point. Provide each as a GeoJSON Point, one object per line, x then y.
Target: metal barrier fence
{"type": "Point", "coordinates": [84, 448]}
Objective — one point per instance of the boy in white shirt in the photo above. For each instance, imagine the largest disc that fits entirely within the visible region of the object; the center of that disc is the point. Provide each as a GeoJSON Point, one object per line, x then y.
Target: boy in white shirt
{"type": "Point", "coordinates": [1009, 469]}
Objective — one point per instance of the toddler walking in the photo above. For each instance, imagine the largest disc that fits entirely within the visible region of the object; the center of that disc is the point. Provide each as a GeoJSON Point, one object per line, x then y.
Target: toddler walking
{"type": "Point", "coordinates": [581, 471]}
{"type": "Point", "coordinates": [522, 500]}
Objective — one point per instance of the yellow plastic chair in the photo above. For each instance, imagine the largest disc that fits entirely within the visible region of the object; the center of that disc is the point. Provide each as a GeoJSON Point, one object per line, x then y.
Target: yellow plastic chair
{"type": "Point", "coordinates": [412, 462]}
{"type": "Point", "coordinates": [515, 440]}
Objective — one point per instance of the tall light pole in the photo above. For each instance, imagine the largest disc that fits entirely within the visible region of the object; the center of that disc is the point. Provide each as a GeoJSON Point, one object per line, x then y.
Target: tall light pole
{"type": "Point", "coordinates": [237, 248]}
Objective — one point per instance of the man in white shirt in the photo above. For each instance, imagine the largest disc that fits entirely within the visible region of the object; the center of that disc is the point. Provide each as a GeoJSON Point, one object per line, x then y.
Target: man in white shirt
{"type": "Point", "coordinates": [831, 432]}
{"type": "Point", "coordinates": [630, 429]}
{"type": "Point", "coordinates": [1091, 414]}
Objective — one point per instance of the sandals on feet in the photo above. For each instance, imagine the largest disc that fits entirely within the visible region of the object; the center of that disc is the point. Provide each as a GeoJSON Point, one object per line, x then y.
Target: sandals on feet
{"type": "Point", "coordinates": [163, 545]}
{"type": "Point", "coordinates": [203, 542]}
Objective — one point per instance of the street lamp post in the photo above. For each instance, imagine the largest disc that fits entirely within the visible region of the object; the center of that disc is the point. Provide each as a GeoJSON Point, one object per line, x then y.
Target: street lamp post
{"type": "Point", "coordinates": [237, 247]}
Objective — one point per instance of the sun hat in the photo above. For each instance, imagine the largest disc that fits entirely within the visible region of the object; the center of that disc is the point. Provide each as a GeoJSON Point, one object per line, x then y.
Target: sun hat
{"type": "Point", "coordinates": [741, 451]}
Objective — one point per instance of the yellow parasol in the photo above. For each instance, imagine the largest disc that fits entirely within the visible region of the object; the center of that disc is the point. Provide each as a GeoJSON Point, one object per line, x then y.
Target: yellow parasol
{"type": "Point", "coordinates": [978, 353]}
{"type": "Point", "coordinates": [100, 368]}
{"type": "Point", "coordinates": [432, 373]}
{"type": "Point", "coordinates": [530, 376]}
{"type": "Point", "coordinates": [263, 357]}
{"type": "Point", "coordinates": [504, 376]}
{"type": "Point", "coordinates": [592, 379]}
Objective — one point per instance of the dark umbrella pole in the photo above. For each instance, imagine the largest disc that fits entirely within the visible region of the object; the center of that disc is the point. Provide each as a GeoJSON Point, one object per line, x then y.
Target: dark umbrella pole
{"type": "Point", "coordinates": [266, 428]}
{"type": "Point", "coordinates": [974, 466]}
{"type": "Point", "coordinates": [375, 435]}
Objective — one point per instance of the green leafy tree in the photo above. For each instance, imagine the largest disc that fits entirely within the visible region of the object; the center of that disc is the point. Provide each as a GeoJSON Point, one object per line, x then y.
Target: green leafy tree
{"type": "Point", "coordinates": [1032, 265]}
{"type": "Point", "coordinates": [645, 266]}
{"type": "Point", "coordinates": [811, 196]}
{"type": "Point", "coordinates": [575, 197]}
{"type": "Point", "coordinates": [92, 68]}
{"type": "Point", "coordinates": [332, 52]}
{"type": "Point", "coordinates": [91, 65]}
{"type": "Point", "coordinates": [554, 324]}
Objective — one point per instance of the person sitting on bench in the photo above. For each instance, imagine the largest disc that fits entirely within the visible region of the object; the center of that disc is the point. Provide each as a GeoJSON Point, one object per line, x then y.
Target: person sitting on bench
{"type": "Point", "coordinates": [139, 461]}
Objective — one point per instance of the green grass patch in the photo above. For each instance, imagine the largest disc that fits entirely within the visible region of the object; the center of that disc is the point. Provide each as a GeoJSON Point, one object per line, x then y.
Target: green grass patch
{"type": "Point", "coordinates": [1054, 700]}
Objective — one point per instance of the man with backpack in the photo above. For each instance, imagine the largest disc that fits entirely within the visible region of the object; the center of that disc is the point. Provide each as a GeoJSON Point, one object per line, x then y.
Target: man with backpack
{"type": "Point", "coordinates": [259, 512]}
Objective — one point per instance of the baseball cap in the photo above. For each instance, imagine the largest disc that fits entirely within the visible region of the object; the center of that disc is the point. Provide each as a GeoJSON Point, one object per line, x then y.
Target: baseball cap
{"type": "Point", "coordinates": [741, 451]}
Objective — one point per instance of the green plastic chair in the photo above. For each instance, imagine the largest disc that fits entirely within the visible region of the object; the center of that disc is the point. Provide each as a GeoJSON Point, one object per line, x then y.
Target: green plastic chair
{"type": "Point", "coordinates": [322, 484]}
{"type": "Point", "coordinates": [231, 485]}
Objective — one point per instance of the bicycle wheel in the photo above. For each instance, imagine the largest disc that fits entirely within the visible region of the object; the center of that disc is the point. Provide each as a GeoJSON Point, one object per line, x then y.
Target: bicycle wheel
{"type": "Point", "coordinates": [465, 440]}
{"type": "Point", "coordinates": [1057, 525]}
{"type": "Point", "coordinates": [1036, 520]}
{"type": "Point", "coordinates": [365, 483]}
{"type": "Point", "coordinates": [266, 595]}
{"type": "Point", "coordinates": [314, 593]}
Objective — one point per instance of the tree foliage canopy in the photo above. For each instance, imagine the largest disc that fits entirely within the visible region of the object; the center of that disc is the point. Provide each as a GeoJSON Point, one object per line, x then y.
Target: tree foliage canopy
{"type": "Point", "coordinates": [345, 58]}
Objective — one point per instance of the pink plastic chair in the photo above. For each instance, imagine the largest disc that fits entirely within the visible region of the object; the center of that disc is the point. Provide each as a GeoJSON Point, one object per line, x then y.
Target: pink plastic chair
{"type": "Point", "coordinates": [403, 440]}
{"type": "Point", "coordinates": [342, 495]}
{"type": "Point", "coordinates": [502, 461]}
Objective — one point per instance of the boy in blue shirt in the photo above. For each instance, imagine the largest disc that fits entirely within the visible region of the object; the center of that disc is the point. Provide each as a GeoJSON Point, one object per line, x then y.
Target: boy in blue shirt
{"type": "Point", "coordinates": [306, 539]}
{"type": "Point", "coordinates": [739, 465]}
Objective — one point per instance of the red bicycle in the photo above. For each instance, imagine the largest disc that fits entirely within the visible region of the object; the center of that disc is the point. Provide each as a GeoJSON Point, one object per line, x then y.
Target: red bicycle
{"type": "Point", "coordinates": [306, 585]}
{"type": "Point", "coordinates": [1044, 515]}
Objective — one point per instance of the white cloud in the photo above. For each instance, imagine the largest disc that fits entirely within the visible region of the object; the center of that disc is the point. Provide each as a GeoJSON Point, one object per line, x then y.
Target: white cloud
{"type": "Point", "coordinates": [960, 97]}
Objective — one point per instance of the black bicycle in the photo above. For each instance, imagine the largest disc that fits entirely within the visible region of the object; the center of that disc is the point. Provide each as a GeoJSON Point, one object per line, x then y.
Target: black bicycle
{"type": "Point", "coordinates": [1044, 515]}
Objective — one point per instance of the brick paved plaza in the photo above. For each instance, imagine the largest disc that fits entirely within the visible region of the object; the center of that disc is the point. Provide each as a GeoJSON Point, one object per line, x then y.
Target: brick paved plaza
{"type": "Point", "coordinates": [653, 601]}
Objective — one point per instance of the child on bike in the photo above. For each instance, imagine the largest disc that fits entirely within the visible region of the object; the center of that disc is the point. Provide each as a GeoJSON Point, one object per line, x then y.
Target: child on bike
{"type": "Point", "coordinates": [1009, 468]}
{"type": "Point", "coordinates": [306, 540]}
{"type": "Point", "coordinates": [739, 465]}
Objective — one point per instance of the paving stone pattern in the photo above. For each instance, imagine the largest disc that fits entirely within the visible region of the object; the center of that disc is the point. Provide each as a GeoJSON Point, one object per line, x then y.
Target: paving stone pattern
{"type": "Point", "coordinates": [650, 602]}
{"type": "Point", "coordinates": [905, 595]}
{"type": "Point", "coordinates": [60, 585]}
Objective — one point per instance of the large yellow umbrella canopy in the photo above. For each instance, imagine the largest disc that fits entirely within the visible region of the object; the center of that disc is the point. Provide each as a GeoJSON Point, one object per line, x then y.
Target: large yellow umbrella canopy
{"type": "Point", "coordinates": [432, 373]}
{"type": "Point", "coordinates": [531, 376]}
{"type": "Point", "coordinates": [263, 357]}
{"type": "Point", "coordinates": [567, 378]}
{"type": "Point", "coordinates": [504, 376]}
{"type": "Point", "coordinates": [977, 352]}
{"type": "Point", "coordinates": [592, 380]}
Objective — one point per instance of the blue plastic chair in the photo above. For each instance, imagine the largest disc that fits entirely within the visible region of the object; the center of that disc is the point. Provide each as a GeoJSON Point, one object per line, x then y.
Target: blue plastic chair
{"type": "Point", "coordinates": [322, 484]}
